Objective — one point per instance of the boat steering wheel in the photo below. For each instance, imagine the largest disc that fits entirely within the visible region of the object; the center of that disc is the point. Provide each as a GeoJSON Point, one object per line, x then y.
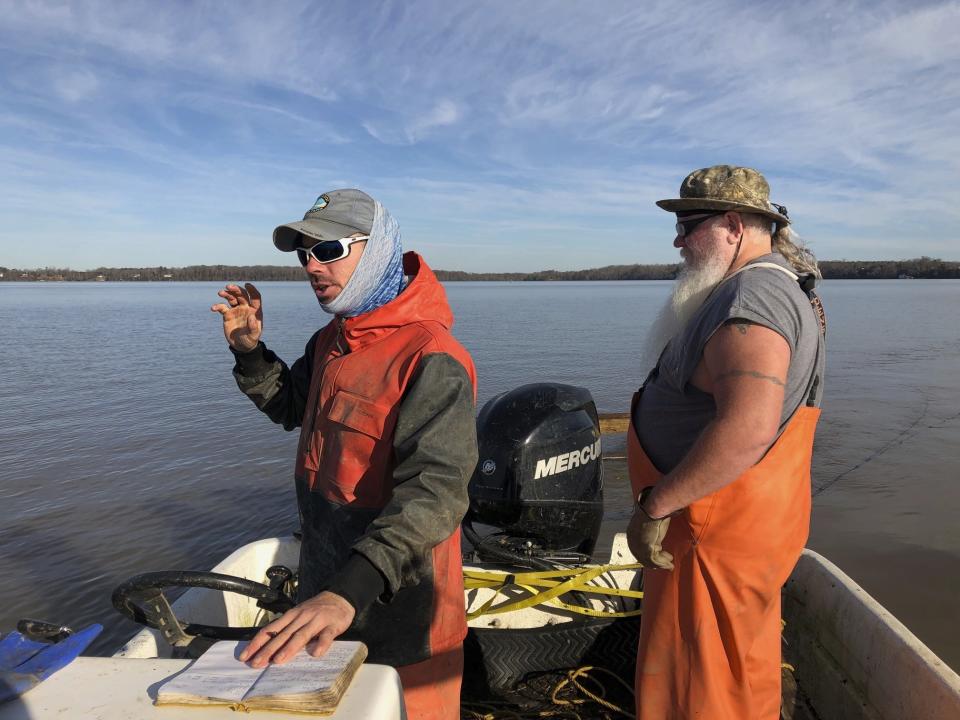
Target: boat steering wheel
{"type": "Point", "coordinates": [141, 599]}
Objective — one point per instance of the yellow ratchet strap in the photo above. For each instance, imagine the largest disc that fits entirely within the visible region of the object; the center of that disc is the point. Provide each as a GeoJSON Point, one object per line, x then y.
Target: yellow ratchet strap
{"type": "Point", "coordinates": [546, 586]}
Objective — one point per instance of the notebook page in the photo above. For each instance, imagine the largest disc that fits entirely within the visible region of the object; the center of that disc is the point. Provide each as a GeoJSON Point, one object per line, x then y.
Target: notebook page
{"type": "Point", "coordinates": [305, 673]}
{"type": "Point", "coordinates": [218, 673]}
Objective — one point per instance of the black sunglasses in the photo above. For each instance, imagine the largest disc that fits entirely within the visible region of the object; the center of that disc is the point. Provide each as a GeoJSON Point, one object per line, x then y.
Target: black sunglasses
{"type": "Point", "coordinates": [686, 225]}
{"type": "Point", "coordinates": [327, 251]}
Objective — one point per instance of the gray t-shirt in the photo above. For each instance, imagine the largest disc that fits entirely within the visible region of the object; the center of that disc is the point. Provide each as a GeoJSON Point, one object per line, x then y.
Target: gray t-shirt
{"type": "Point", "coordinates": [672, 413]}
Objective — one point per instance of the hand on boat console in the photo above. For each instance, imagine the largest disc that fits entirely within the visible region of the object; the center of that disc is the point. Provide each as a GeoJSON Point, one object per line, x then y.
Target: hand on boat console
{"type": "Point", "coordinates": [313, 624]}
{"type": "Point", "coordinates": [242, 316]}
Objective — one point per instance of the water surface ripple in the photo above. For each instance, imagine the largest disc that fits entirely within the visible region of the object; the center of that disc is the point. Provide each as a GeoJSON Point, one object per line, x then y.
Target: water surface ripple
{"type": "Point", "coordinates": [126, 447]}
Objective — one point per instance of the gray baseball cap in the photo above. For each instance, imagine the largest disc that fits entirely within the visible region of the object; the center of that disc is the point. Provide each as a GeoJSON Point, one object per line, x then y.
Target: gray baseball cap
{"type": "Point", "coordinates": [336, 214]}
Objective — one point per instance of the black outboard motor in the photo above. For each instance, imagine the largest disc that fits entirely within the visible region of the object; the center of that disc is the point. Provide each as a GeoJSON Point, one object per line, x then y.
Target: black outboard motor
{"type": "Point", "coordinates": [539, 480]}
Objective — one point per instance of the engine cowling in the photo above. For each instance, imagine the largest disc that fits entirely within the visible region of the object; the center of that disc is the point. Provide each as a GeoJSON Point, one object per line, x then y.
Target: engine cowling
{"type": "Point", "coordinates": [539, 480]}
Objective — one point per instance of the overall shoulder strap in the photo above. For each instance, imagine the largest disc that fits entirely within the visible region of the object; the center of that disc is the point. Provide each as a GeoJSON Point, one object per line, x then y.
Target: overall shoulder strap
{"type": "Point", "coordinates": [771, 265]}
{"type": "Point", "coordinates": [817, 306]}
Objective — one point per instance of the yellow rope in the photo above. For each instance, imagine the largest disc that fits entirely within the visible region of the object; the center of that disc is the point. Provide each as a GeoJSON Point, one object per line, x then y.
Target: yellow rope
{"type": "Point", "coordinates": [531, 575]}
{"type": "Point", "coordinates": [564, 707]}
{"type": "Point", "coordinates": [546, 586]}
{"type": "Point", "coordinates": [559, 707]}
{"type": "Point", "coordinates": [572, 678]}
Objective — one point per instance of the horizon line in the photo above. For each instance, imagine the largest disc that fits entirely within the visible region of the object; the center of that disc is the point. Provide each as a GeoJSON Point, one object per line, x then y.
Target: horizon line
{"type": "Point", "coordinates": [48, 269]}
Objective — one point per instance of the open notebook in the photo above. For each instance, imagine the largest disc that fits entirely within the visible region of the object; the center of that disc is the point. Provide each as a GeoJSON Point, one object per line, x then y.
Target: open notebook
{"type": "Point", "coordinates": [304, 684]}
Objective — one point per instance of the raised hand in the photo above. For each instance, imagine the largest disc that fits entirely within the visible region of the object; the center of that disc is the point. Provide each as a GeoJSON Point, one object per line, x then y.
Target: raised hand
{"type": "Point", "coordinates": [242, 316]}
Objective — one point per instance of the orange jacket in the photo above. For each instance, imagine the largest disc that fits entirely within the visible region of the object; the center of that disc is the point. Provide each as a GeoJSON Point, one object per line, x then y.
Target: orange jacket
{"type": "Point", "coordinates": [385, 402]}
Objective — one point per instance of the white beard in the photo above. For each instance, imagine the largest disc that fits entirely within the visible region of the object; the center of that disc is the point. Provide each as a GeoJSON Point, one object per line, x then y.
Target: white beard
{"type": "Point", "coordinates": [692, 286]}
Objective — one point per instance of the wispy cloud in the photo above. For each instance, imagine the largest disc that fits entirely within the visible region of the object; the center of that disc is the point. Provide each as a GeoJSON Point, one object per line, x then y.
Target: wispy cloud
{"type": "Point", "coordinates": [414, 129]}
{"type": "Point", "coordinates": [545, 121]}
{"type": "Point", "coordinates": [75, 85]}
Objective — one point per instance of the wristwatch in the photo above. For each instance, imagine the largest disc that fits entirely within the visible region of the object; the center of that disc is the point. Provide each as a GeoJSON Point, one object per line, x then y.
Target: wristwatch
{"type": "Point", "coordinates": [642, 498]}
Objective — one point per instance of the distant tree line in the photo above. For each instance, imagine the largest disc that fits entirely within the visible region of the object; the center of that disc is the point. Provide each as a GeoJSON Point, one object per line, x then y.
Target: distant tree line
{"type": "Point", "coordinates": [220, 273]}
{"type": "Point", "coordinates": [609, 272]}
{"type": "Point", "coordinates": [923, 267]}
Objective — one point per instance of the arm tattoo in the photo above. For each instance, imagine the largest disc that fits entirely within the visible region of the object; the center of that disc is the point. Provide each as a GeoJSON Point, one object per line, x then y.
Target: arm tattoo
{"type": "Point", "coordinates": [750, 373]}
{"type": "Point", "coordinates": [741, 325]}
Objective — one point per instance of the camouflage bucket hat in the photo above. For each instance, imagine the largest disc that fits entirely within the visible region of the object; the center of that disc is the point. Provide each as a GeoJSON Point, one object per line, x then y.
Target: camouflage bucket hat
{"type": "Point", "coordinates": [726, 187]}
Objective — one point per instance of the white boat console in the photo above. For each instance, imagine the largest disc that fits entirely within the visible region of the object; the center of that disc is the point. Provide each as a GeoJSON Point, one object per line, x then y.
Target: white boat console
{"type": "Point", "coordinates": [125, 688]}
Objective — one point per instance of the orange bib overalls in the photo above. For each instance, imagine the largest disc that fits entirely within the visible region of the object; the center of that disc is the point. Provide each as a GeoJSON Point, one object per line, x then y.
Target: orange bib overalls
{"type": "Point", "coordinates": [710, 633]}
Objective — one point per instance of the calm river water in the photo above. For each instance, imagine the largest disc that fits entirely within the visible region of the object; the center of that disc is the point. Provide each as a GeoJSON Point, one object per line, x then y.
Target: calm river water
{"type": "Point", "coordinates": [126, 447]}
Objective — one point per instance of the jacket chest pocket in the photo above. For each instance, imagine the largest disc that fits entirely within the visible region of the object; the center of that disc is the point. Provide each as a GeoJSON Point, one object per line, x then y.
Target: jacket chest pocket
{"type": "Point", "coordinates": [356, 451]}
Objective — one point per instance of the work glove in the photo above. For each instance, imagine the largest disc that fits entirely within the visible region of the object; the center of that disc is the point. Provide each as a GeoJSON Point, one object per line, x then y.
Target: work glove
{"type": "Point", "coordinates": [645, 536]}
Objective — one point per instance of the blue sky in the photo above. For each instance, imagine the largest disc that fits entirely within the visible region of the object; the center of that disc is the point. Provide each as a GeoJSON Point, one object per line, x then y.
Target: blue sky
{"type": "Point", "coordinates": [503, 136]}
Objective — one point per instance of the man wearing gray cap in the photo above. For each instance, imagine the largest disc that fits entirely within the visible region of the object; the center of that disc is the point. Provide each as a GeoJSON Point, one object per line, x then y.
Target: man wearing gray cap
{"type": "Point", "coordinates": [384, 399]}
{"type": "Point", "coordinates": [719, 452]}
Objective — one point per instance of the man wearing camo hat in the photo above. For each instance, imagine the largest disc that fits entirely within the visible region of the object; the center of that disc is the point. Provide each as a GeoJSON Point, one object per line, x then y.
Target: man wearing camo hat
{"type": "Point", "coordinates": [384, 399]}
{"type": "Point", "coordinates": [719, 452]}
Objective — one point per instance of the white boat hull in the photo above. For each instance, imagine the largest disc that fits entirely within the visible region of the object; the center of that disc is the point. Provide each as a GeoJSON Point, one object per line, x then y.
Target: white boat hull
{"type": "Point", "coordinates": [852, 658]}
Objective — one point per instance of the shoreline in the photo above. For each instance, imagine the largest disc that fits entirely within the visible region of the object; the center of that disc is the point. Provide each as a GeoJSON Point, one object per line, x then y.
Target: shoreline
{"type": "Point", "coordinates": [923, 268]}
{"type": "Point", "coordinates": [249, 278]}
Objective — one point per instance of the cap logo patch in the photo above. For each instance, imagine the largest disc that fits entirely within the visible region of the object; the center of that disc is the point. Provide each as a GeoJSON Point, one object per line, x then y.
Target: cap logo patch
{"type": "Point", "coordinates": [320, 204]}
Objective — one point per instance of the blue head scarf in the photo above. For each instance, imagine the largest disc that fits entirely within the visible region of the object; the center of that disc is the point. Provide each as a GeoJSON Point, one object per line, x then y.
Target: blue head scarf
{"type": "Point", "coordinates": [378, 277]}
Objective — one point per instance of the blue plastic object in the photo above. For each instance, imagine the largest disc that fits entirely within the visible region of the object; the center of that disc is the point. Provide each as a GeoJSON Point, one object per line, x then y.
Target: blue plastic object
{"type": "Point", "coordinates": [25, 663]}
